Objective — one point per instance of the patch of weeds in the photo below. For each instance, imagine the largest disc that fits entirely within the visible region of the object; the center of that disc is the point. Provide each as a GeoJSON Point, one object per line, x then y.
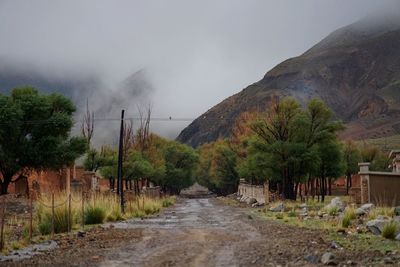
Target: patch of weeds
{"type": "Point", "coordinates": [138, 214]}
{"type": "Point", "coordinates": [166, 202]}
{"type": "Point", "coordinates": [291, 213]}
{"type": "Point", "coordinates": [365, 242]}
{"type": "Point", "coordinates": [279, 216]}
{"type": "Point", "coordinates": [332, 210]}
{"type": "Point", "coordinates": [15, 245]}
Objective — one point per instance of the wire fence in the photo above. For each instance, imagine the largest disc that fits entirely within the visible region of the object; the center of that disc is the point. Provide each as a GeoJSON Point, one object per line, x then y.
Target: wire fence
{"type": "Point", "coordinates": [70, 208]}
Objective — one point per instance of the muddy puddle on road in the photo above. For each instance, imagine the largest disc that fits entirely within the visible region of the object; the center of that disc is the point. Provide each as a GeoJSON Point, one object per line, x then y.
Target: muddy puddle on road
{"type": "Point", "coordinates": [187, 213]}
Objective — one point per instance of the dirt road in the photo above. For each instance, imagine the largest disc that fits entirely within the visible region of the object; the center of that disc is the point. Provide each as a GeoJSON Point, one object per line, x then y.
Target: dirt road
{"type": "Point", "coordinates": [197, 232]}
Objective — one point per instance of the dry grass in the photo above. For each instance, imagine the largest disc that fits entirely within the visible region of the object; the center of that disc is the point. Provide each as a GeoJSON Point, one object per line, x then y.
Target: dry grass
{"type": "Point", "coordinates": [17, 228]}
{"type": "Point", "coordinates": [384, 211]}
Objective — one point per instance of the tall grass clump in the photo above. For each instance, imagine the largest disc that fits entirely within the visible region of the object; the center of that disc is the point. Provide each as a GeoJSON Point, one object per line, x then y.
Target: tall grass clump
{"type": "Point", "coordinates": [94, 214]}
{"type": "Point", "coordinates": [349, 215]}
{"type": "Point", "coordinates": [62, 220]}
{"type": "Point", "coordinates": [389, 230]}
{"type": "Point", "coordinates": [346, 221]}
{"type": "Point", "coordinates": [152, 206]}
{"type": "Point", "coordinates": [111, 205]}
{"type": "Point", "coordinates": [168, 201]}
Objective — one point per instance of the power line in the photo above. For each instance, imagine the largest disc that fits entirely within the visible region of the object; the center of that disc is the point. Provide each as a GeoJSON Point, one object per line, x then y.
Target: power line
{"type": "Point", "coordinates": [162, 119]}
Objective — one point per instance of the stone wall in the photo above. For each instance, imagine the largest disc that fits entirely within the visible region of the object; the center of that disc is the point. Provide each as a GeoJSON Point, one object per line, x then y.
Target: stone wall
{"type": "Point", "coordinates": [258, 192]}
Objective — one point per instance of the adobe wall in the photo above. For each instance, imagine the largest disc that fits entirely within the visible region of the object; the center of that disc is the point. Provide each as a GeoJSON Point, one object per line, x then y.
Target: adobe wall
{"type": "Point", "coordinates": [52, 181]}
{"type": "Point", "coordinates": [257, 192]}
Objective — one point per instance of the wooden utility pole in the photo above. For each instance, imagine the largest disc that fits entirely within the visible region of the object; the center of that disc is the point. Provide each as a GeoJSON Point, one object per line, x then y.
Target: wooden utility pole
{"type": "Point", "coordinates": [68, 180]}
{"type": "Point", "coordinates": [120, 189]}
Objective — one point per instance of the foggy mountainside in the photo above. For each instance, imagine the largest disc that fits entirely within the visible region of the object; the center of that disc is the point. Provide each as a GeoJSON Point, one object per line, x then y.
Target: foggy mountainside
{"type": "Point", "coordinates": [104, 101]}
{"type": "Point", "coordinates": [355, 70]}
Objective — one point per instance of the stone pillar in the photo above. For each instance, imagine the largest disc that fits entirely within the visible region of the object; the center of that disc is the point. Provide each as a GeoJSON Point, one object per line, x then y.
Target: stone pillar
{"type": "Point", "coordinates": [364, 176]}
{"type": "Point", "coordinates": [266, 192]}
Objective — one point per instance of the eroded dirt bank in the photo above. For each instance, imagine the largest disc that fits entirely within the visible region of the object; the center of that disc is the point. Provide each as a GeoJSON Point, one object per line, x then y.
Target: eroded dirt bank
{"type": "Point", "coordinates": [197, 232]}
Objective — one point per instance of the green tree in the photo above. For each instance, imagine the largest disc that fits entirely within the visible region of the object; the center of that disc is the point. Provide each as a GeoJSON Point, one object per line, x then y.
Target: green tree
{"type": "Point", "coordinates": [379, 160]}
{"type": "Point", "coordinates": [290, 135]}
{"type": "Point", "coordinates": [180, 163]}
{"type": "Point", "coordinates": [93, 160]}
{"type": "Point", "coordinates": [34, 134]}
{"type": "Point", "coordinates": [137, 167]}
{"type": "Point", "coordinates": [256, 168]}
{"type": "Point", "coordinates": [217, 168]}
{"type": "Point", "coordinates": [330, 165]}
{"type": "Point", "coordinates": [352, 156]}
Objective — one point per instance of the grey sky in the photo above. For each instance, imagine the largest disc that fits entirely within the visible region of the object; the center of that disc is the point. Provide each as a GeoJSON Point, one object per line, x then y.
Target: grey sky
{"type": "Point", "coordinates": [197, 52]}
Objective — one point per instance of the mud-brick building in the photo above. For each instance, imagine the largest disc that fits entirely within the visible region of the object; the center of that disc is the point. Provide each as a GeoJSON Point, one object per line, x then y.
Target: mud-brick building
{"type": "Point", "coordinates": [47, 181]}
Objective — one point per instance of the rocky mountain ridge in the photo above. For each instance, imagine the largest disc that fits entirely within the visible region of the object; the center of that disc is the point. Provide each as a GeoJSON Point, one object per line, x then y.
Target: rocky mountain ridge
{"type": "Point", "coordinates": [355, 71]}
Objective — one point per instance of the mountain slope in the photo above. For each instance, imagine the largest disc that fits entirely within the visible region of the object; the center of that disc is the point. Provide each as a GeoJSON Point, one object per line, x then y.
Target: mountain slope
{"type": "Point", "coordinates": [355, 71]}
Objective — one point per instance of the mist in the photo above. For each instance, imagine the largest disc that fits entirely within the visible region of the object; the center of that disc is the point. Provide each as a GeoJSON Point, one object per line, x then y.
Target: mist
{"type": "Point", "coordinates": [188, 55]}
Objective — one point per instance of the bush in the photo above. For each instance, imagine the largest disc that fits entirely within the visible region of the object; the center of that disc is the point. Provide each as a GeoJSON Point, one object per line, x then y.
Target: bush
{"type": "Point", "coordinates": [94, 214]}
{"type": "Point", "coordinates": [279, 216]}
{"type": "Point", "coordinates": [389, 230]}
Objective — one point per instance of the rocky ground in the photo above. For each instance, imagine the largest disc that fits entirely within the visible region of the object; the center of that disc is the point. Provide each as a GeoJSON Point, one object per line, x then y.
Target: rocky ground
{"type": "Point", "coordinates": [202, 232]}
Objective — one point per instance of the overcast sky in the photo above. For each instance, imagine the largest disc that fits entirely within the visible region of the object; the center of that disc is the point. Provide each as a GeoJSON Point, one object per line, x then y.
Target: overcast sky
{"type": "Point", "coordinates": [197, 52]}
